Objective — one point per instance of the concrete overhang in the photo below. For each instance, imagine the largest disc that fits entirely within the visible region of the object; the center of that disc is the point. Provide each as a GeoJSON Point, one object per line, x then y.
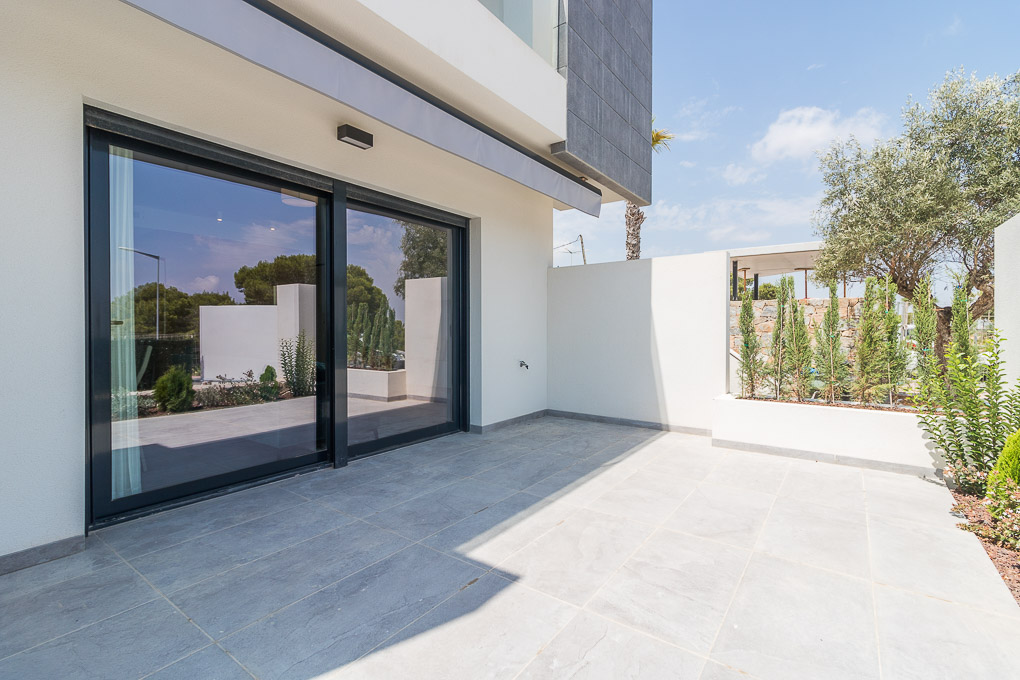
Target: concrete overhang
{"type": "Point", "coordinates": [775, 260]}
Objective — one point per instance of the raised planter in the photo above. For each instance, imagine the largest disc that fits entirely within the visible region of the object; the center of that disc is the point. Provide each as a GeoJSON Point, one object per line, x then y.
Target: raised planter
{"type": "Point", "coordinates": [884, 440]}
{"type": "Point", "coordinates": [363, 383]}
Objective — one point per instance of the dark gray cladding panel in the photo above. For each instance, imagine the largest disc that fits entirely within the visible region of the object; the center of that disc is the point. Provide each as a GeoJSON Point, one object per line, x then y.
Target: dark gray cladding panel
{"type": "Point", "coordinates": [606, 56]}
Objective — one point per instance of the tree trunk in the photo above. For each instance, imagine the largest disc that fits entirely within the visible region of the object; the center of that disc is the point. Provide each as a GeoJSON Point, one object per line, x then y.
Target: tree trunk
{"type": "Point", "coordinates": [634, 217]}
{"type": "Point", "coordinates": [943, 333]}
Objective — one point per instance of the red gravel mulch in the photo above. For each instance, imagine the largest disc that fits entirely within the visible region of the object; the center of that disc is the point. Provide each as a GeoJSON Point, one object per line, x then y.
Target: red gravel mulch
{"type": "Point", "coordinates": [1006, 560]}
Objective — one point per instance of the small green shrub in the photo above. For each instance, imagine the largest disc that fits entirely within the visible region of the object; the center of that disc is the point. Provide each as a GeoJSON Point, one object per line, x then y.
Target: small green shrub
{"type": "Point", "coordinates": [173, 391]}
{"type": "Point", "coordinates": [1003, 503]}
{"type": "Point", "coordinates": [1008, 463]}
{"type": "Point", "coordinates": [297, 359]}
{"type": "Point", "coordinates": [268, 388]}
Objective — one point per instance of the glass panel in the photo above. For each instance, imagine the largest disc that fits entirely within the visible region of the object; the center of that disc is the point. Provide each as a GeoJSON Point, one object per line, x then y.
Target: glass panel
{"type": "Point", "coordinates": [213, 324]}
{"type": "Point", "coordinates": [536, 22]}
{"type": "Point", "coordinates": [399, 369]}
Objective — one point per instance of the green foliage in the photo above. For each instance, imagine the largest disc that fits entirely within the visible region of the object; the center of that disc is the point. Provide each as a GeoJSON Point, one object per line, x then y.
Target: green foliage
{"type": "Point", "coordinates": [257, 283]}
{"type": "Point", "coordinates": [1003, 503]}
{"type": "Point", "coordinates": [178, 311]}
{"type": "Point", "coordinates": [297, 360]}
{"type": "Point", "coordinates": [425, 252]}
{"type": "Point", "coordinates": [798, 345]}
{"type": "Point", "coordinates": [961, 325]}
{"type": "Point", "coordinates": [778, 368]}
{"type": "Point", "coordinates": [268, 388]}
{"type": "Point", "coordinates": [1008, 463]}
{"type": "Point", "coordinates": [361, 289]}
{"type": "Point", "coordinates": [768, 291]}
{"type": "Point", "coordinates": [925, 330]}
{"type": "Point", "coordinates": [173, 391]}
{"type": "Point", "coordinates": [869, 352]}
{"type": "Point", "coordinates": [751, 364]}
{"type": "Point", "coordinates": [932, 195]}
{"type": "Point", "coordinates": [894, 350]}
{"type": "Point", "coordinates": [969, 413]}
{"type": "Point", "coordinates": [830, 359]}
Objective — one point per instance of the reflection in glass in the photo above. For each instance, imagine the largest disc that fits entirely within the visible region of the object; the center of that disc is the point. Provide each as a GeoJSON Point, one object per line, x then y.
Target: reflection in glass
{"type": "Point", "coordinates": [213, 324]}
{"type": "Point", "coordinates": [399, 327]}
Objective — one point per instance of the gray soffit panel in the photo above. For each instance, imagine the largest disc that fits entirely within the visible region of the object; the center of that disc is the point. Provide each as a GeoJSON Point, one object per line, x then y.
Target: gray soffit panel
{"type": "Point", "coordinates": [252, 34]}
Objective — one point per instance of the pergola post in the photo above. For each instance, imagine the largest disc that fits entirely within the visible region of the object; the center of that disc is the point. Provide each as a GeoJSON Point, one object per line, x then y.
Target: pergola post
{"type": "Point", "coordinates": [754, 294]}
{"type": "Point", "coordinates": [733, 294]}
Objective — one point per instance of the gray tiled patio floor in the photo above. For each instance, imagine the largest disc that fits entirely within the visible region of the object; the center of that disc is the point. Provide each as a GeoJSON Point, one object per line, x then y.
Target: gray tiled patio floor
{"type": "Point", "coordinates": [553, 549]}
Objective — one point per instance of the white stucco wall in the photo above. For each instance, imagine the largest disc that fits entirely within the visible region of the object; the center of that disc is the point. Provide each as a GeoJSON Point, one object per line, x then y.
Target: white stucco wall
{"type": "Point", "coordinates": [642, 340]}
{"type": "Point", "coordinates": [427, 338]}
{"type": "Point", "coordinates": [54, 57]}
{"type": "Point", "coordinates": [851, 435]}
{"type": "Point", "coordinates": [234, 339]}
{"type": "Point", "coordinates": [1007, 293]}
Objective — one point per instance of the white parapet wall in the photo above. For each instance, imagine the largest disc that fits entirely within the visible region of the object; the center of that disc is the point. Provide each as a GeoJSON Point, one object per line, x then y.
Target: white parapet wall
{"type": "Point", "coordinates": [875, 438]}
{"type": "Point", "coordinates": [1007, 293]}
{"type": "Point", "coordinates": [642, 340]}
{"type": "Point", "coordinates": [427, 338]}
{"type": "Point", "coordinates": [363, 383]}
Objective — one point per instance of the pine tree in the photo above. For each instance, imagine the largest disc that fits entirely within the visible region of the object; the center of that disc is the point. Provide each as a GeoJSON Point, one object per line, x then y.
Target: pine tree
{"type": "Point", "coordinates": [869, 348]}
{"type": "Point", "coordinates": [352, 338]}
{"type": "Point", "coordinates": [830, 360]}
{"type": "Point", "coordinates": [386, 341]}
{"type": "Point", "coordinates": [374, 335]}
{"type": "Point", "coordinates": [961, 326]}
{"type": "Point", "coordinates": [798, 347]}
{"type": "Point", "coordinates": [751, 364]}
{"type": "Point", "coordinates": [925, 331]}
{"type": "Point", "coordinates": [894, 349]}
{"type": "Point", "coordinates": [778, 369]}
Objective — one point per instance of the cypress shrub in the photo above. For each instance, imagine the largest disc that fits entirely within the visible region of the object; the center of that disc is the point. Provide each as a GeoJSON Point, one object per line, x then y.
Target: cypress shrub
{"type": "Point", "coordinates": [173, 391]}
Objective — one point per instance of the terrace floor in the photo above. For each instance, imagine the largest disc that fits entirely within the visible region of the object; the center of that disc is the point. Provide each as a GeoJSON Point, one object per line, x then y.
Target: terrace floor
{"type": "Point", "coordinates": [552, 549]}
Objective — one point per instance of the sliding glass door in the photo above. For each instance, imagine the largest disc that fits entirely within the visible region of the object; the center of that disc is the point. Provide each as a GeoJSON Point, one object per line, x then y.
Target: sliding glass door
{"type": "Point", "coordinates": [209, 282]}
{"type": "Point", "coordinates": [248, 319]}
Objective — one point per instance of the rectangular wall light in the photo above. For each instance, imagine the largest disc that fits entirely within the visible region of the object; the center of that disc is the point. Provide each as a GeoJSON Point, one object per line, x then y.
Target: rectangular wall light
{"type": "Point", "coordinates": [354, 136]}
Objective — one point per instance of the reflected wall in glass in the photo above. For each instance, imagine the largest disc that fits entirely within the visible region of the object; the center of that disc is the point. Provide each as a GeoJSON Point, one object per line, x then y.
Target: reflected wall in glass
{"type": "Point", "coordinates": [399, 327]}
{"type": "Point", "coordinates": [213, 323]}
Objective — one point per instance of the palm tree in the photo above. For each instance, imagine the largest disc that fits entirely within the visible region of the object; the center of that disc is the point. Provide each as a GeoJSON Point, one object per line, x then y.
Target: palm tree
{"type": "Point", "coordinates": [634, 216]}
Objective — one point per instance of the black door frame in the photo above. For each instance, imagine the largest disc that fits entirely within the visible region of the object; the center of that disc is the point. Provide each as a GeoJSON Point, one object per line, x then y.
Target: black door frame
{"type": "Point", "coordinates": [102, 128]}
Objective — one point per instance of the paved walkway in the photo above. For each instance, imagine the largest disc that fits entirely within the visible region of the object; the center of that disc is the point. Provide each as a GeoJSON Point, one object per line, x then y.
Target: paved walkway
{"type": "Point", "coordinates": [555, 549]}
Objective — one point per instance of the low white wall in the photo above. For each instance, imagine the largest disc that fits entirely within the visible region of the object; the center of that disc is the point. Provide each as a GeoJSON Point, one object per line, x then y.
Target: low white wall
{"type": "Point", "coordinates": [427, 338]}
{"type": "Point", "coordinates": [1007, 293]}
{"type": "Point", "coordinates": [381, 385]}
{"type": "Point", "coordinates": [868, 437]}
{"type": "Point", "coordinates": [640, 340]}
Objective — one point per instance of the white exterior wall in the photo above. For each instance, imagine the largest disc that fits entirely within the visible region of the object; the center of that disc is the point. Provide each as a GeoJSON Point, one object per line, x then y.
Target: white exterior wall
{"type": "Point", "coordinates": [641, 340]}
{"type": "Point", "coordinates": [381, 385]}
{"type": "Point", "coordinates": [1007, 293]}
{"type": "Point", "coordinates": [427, 338]}
{"type": "Point", "coordinates": [234, 339]}
{"type": "Point", "coordinates": [56, 56]}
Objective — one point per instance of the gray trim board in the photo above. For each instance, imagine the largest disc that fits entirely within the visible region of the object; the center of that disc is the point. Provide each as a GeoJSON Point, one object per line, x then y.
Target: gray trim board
{"type": "Point", "coordinates": [629, 422]}
{"type": "Point", "coordinates": [48, 552]}
{"type": "Point", "coordinates": [491, 427]}
{"type": "Point", "coordinates": [254, 35]}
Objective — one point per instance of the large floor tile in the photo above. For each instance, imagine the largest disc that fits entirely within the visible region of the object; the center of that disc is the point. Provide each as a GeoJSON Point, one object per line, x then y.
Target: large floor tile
{"type": "Point", "coordinates": [817, 535]}
{"type": "Point", "coordinates": [476, 460]}
{"type": "Point", "coordinates": [211, 663]}
{"type": "Point", "coordinates": [45, 613]}
{"type": "Point", "coordinates": [338, 624]}
{"type": "Point", "coordinates": [836, 486]}
{"type": "Point", "coordinates": [646, 496]}
{"type": "Point", "coordinates": [580, 445]}
{"type": "Point", "coordinates": [187, 563]}
{"type": "Point", "coordinates": [895, 496]}
{"type": "Point", "coordinates": [927, 639]}
{"type": "Point", "coordinates": [722, 513]}
{"type": "Point", "coordinates": [468, 637]}
{"type": "Point", "coordinates": [321, 483]}
{"type": "Point", "coordinates": [148, 534]}
{"type": "Point", "coordinates": [129, 645]}
{"type": "Point", "coordinates": [96, 555]}
{"type": "Point", "coordinates": [434, 511]}
{"type": "Point", "coordinates": [594, 648]}
{"type": "Point", "coordinates": [526, 470]}
{"type": "Point", "coordinates": [687, 461]}
{"type": "Point", "coordinates": [947, 563]}
{"type": "Point", "coordinates": [676, 587]}
{"type": "Point", "coordinates": [579, 484]}
{"type": "Point", "coordinates": [234, 599]}
{"type": "Point", "coordinates": [491, 535]}
{"type": "Point", "coordinates": [572, 560]}
{"type": "Point", "coordinates": [793, 622]}
{"type": "Point", "coordinates": [389, 490]}
{"type": "Point", "coordinates": [752, 471]}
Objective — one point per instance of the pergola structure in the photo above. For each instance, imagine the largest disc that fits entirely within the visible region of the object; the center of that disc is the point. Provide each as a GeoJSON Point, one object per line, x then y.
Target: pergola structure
{"type": "Point", "coordinates": [753, 263]}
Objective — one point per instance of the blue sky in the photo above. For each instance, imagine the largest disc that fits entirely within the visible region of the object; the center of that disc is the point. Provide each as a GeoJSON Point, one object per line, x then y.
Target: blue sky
{"type": "Point", "coordinates": [752, 89]}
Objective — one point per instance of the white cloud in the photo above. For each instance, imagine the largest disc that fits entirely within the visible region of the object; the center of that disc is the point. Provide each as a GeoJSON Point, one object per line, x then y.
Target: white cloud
{"type": "Point", "coordinates": [815, 67]}
{"type": "Point", "coordinates": [955, 27]}
{"type": "Point", "coordinates": [800, 132]}
{"type": "Point", "coordinates": [203, 283]}
{"type": "Point", "coordinates": [696, 120]}
{"type": "Point", "coordinates": [686, 164]}
{"type": "Point", "coordinates": [736, 175]}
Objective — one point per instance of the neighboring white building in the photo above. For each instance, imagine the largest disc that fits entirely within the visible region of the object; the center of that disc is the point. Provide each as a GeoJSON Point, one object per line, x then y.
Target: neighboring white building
{"type": "Point", "coordinates": [176, 141]}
